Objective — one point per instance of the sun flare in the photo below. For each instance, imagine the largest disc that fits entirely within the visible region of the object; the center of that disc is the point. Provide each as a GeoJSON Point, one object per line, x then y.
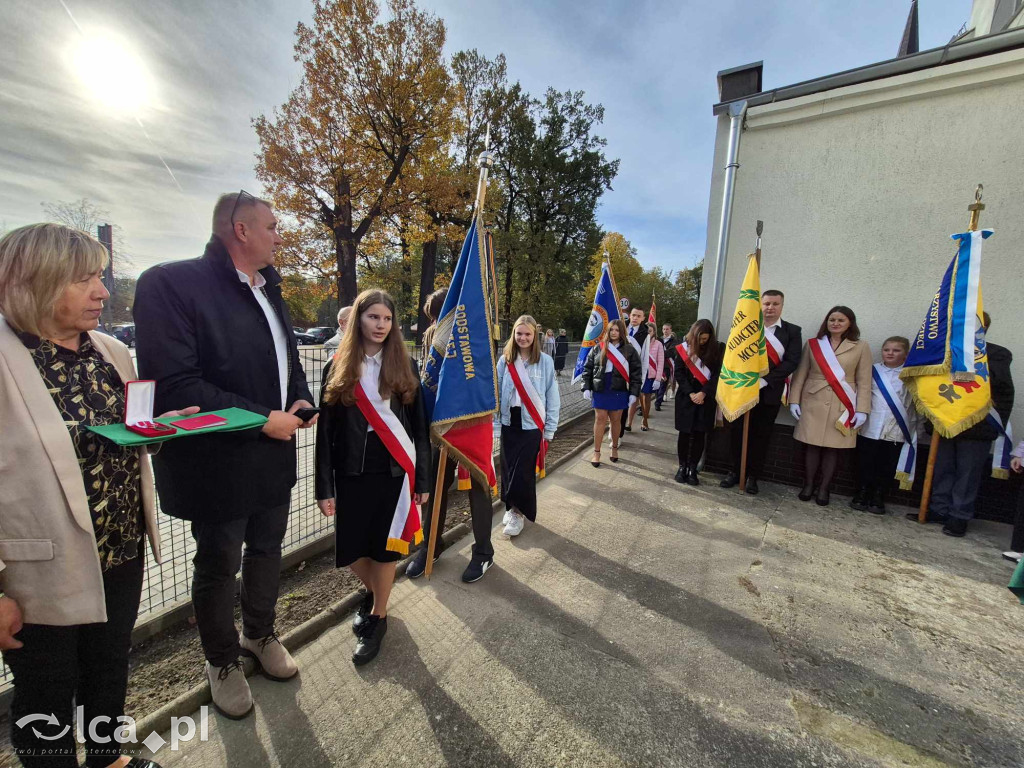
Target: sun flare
{"type": "Point", "coordinates": [114, 75]}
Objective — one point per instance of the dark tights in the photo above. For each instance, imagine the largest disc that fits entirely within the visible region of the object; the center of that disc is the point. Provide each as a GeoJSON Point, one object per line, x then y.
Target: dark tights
{"type": "Point", "coordinates": [827, 459]}
{"type": "Point", "coordinates": [690, 447]}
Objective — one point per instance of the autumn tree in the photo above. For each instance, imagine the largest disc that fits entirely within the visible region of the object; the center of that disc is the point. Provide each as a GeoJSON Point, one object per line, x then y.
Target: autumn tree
{"type": "Point", "coordinates": [373, 96]}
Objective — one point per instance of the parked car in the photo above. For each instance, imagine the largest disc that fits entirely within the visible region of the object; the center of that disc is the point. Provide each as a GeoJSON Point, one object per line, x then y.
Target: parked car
{"type": "Point", "coordinates": [124, 333]}
{"type": "Point", "coordinates": [301, 337]}
{"type": "Point", "coordinates": [321, 334]}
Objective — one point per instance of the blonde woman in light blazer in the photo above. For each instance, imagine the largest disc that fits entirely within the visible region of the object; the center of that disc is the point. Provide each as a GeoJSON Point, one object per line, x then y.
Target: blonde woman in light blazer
{"type": "Point", "coordinates": [75, 510]}
{"type": "Point", "coordinates": [817, 408]}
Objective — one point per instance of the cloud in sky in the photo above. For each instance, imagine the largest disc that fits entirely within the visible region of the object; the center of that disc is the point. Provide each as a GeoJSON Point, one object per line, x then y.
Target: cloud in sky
{"type": "Point", "coordinates": [215, 64]}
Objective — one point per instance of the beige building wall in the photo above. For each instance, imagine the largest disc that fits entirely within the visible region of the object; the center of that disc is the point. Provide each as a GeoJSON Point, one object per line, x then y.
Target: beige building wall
{"type": "Point", "coordinates": [859, 189]}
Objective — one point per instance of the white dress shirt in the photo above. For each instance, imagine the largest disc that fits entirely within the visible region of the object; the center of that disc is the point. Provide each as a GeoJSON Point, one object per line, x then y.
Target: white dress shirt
{"type": "Point", "coordinates": [276, 330]}
{"type": "Point", "coordinates": [881, 423]}
{"type": "Point", "coordinates": [371, 367]}
{"type": "Point", "coordinates": [774, 326]}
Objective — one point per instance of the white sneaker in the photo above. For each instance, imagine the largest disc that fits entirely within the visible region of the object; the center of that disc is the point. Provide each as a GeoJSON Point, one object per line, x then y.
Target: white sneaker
{"type": "Point", "coordinates": [515, 525]}
{"type": "Point", "coordinates": [1013, 557]}
{"type": "Point", "coordinates": [507, 517]}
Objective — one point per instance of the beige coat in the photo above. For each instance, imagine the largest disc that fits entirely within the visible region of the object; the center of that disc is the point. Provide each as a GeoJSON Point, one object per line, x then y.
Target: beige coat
{"type": "Point", "coordinates": [819, 406]}
{"type": "Point", "coordinates": [49, 563]}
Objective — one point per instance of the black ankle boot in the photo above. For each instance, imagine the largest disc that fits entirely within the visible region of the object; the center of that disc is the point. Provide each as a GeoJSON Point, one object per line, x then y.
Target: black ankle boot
{"type": "Point", "coordinates": [859, 500]}
{"type": "Point", "coordinates": [363, 610]}
{"type": "Point", "coordinates": [371, 634]}
{"type": "Point", "coordinates": [691, 475]}
{"type": "Point", "coordinates": [877, 503]}
{"type": "Point", "coordinates": [681, 475]}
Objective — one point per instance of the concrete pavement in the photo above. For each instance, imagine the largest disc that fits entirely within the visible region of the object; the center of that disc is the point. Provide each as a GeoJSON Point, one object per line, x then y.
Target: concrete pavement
{"type": "Point", "coordinates": [644, 623]}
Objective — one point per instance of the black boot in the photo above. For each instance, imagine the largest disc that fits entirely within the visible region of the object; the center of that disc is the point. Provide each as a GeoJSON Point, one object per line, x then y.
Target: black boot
{"type": "Point", "coordinates": [363, 611]}
{"type": "Point", "coordinates": [877, 504]}
{"type": "Point", "coordinates": [859, 500]}
{"type": "Point", "coordinates": [371, 634]}
{"type": "Point", "coordinates": [681, 475]}
{"type": "Point", "coordinates": [691, 475]}
{"type": "Point", "coordinates": [730, 480]}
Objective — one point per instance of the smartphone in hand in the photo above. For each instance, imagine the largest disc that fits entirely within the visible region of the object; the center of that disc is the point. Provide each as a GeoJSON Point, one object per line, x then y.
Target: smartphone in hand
{"type": "Point", "coordinates": [306, 413]}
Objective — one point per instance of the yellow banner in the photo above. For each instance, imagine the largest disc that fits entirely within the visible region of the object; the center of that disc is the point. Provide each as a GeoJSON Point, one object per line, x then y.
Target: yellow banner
{"type": "Point", "coordinates": [953, 406]}
{"type": "Point", "coordinates": [746, 356]}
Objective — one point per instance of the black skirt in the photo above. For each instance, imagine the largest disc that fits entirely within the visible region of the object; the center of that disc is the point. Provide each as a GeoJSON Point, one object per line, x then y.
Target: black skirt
{"type": "Point", "coordinates": [365, 507]}
{"type": "Point", "coordinates": [519, 449]}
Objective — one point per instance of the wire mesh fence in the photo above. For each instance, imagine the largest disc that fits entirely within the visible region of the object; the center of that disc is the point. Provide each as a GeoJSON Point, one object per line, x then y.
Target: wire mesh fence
{"type": "Point", "coordinates": [169, 583]}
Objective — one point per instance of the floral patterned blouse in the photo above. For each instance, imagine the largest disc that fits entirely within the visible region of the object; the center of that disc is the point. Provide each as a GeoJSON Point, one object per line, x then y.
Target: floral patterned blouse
{"type": "Point", "coordinates": [87, 390]}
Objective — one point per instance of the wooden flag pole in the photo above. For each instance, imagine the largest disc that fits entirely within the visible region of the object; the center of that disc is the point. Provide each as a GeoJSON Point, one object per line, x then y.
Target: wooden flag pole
{"type": "Point", "coordinates": [435, 513]}
{"type": "Point", "coordinates": [933, 450]}
{"type": "Point", "coordinates": [746, 416]}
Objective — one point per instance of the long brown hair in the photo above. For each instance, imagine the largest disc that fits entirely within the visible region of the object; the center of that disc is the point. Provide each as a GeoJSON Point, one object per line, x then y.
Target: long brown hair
{"type": "Point", "coordinates": [432, 309]}
{"type": "Point", "coordinates": [852, 333]}
{"type": "Point", "coordinates": [606, 341]}
{"type": "Point", "coordinates": [707, 352]}
{"type": "Point", "coordinates": [512, 349]}
{"type": "Point", "coordinates": [396, 376]}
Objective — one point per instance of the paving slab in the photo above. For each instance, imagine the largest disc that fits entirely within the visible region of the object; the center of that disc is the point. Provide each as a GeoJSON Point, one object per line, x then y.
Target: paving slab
{"type": "Point", "coordinates": [641, 622]}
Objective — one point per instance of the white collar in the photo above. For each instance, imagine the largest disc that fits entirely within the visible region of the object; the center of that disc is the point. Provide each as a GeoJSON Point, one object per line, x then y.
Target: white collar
{"type": "Point", "coordinates": [891, 370]}
{"type": "Point", "coordinates": [258, 282]}
{"type": "Point", "coordinates": [776, 324]}
{"type": "Point", "coordinates": [374, 358]}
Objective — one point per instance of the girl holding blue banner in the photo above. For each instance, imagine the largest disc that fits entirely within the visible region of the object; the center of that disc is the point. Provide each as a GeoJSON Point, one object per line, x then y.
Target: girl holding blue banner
{"type": "Point", "coordinates": [887, 444]}
{"type": "Point", "coordinates": [611, 381]}
{"type": "Point", "coordinates": [529, 416]}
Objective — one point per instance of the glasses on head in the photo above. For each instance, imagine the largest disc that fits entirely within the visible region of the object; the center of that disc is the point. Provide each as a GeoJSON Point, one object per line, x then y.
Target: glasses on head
{"type": "Point", "coordinates": [242, 194]}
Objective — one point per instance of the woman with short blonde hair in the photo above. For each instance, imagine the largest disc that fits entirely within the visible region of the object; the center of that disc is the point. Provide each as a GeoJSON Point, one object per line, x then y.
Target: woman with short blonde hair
{"type": "Point", "coordinates": [76, 508]}
{"type": "Point", "coordinates": [529, 406]}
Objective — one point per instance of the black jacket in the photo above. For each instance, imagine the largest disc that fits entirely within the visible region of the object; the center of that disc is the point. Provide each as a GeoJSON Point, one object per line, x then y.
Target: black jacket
{"type": "Point", "coordinates": [341, 440]}
{"type": "Point", "coordinates": [593, 379]}
{"type": "Point", "coordinates": [201, 334]}
{"type": "Point", "coordinates": [641, 334]}
{"type": "Point", "coordinates": [689, 416]}
{"type": "Point", "coordinates": [669, 344]}
{"type": "Point", "coordinates": [561, 350]}
{"type": "Point", "coordinates": [791, 337]}
{"type": "Point", "coordinates": [999, 360]}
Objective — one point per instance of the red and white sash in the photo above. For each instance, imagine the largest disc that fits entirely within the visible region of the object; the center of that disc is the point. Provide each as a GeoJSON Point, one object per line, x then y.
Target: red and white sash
{"type": "Point", "coordinates": [696, 367]}
{"type": "Point", "coordinates": [834, 374]}
{"type": "Point", "coordinates": [617, 359]}
{"type": "Point", "coordinates": [405, 525]}
{"type": "Point", "coordinates": [775, 354]}
{"type": "Point", "coordinates": [531, 400]}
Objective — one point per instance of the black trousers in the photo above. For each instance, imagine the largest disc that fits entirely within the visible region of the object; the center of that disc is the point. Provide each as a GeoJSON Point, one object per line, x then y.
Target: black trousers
{"type": "Point", "coordinates": [762, 420]}
{"type": "Point", "coordinates": [959, 469]}
{"type": "Point", "coordinates": [876, 467]}
{"type": "Point", "coordinates": [217, 562]}
{"type": "Point", "coordinates": [84, 665]}
{"type": "Point", "coordinates": [690, 448]}
{"type": "Point", "coordinates": [479, 507]}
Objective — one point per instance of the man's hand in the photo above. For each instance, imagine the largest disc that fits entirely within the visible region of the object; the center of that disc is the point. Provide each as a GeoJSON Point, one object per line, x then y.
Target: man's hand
{"type": "Point", "coordinates": [420, 498]}
{"type": "Point", "coordinates": [10, 624]}
{"type": "Point", "coordinates": [304, 404]}
{"type": "Point", "coordinates": [1015, 465]}
{"type": "Point", "coordinates": [326, 507]}
{"type": "Point", "coordinates": [281, 425]}
{"type": "Point", "coordinates": [181, 412]}
{"type": "Point", "coordinates": [697, 398]}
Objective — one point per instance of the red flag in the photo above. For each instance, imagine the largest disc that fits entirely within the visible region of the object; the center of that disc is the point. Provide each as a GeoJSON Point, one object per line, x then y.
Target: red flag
{"type": "Point", "coordinates": [650, 316]}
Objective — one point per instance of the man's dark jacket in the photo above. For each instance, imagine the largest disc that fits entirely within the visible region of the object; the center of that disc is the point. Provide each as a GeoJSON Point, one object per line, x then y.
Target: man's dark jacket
{"type": "Point", "coordinates": [561, 350]}
{"type": "Point", "coordinates": [202, 336]}
{"type": "Point", "coordinates": [791, 338]}
{"type": "Point", "coordinates": [999, 360]}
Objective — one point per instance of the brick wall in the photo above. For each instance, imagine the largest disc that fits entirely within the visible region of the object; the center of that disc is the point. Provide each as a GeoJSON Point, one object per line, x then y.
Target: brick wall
{"type": "Point", "coordinates": [785, 461]}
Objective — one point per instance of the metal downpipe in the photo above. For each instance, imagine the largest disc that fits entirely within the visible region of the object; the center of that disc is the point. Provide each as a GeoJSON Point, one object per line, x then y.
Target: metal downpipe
{"type": "Point", "coordinates": [737, 112]}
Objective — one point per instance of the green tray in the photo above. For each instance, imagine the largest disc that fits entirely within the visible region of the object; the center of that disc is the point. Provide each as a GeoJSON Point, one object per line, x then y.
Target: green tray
{"type": "Point", "coordinates": [238, 419]}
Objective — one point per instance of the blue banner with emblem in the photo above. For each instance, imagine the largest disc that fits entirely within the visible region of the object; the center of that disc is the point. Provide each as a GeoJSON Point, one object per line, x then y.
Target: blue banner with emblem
{"type": "Point", "coordinates": [606, 307]}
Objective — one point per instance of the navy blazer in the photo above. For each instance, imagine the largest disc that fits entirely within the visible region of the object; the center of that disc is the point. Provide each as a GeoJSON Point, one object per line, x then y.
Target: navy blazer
{"type": "Point", "coordinates": [202, 336]}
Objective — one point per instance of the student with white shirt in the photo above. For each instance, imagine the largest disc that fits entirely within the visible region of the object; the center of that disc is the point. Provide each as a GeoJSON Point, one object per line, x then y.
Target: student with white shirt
{"type": "Point", "coordinates": [372, 458]}
{"type": "Point", "coordinates": [881, 439]}
{"type": "Point", "coordinates": [529, 416]}
{"type": "Point", "coordinates": [636, 334]}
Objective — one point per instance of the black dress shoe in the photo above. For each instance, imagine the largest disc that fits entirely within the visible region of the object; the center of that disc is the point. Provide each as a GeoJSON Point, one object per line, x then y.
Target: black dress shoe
{"type": "Point", "coordinates": [657, 406]}
{"type": "Point", "coordinates": [955, 527]}
{"type": "Point", "coordinates": [628, 428]}
{"type": "Point", "coordinates": [857, 502]}
{"type": "Point", "coordinates": [821, 500]}
{"type": "Point", "coordinates": [806, 494]}
{"type": "Point", "coordinates": [691, 476]}
{"type": "Point", "coordinates": [364, 609]}
{"type": "Point", "coordinates": [752, 488]}
{"type": "Point", "coordinates": [371, 634]}
{"type": "Point", "coordinates": [681, 475]}
{"type": "Point", "coordinates": [730, 480]}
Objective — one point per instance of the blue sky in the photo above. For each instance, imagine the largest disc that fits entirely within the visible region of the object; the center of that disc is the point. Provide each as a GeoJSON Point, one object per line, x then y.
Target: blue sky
{"type": "Point", "coordinates": [212, 65]}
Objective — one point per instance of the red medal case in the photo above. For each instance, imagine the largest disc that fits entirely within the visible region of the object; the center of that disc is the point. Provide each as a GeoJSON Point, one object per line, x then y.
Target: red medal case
{"type": "Point", "coordinates": [139, 399]}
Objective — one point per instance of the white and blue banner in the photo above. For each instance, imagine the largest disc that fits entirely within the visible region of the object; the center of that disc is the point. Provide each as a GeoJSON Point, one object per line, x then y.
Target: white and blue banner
{"type": "Point", "coordinates": [964, 318]}
{"type": "Point", "coordinates": [606, 307]}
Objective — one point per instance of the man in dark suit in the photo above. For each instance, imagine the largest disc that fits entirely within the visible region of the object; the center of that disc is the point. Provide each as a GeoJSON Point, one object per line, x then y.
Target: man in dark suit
{"type": "Point", "coordinates": [668, 340]}
{"type": "Point", "coordinates": [785, 344]}
{"type": "Point", "coordinates": [214, 332]}
{"type": "Point", "coordinates": [637, 333]}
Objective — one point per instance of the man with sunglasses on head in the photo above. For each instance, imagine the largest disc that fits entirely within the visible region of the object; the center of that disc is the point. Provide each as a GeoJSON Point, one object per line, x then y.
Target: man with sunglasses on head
{"type": "Point", "coordinates": [214, 331]}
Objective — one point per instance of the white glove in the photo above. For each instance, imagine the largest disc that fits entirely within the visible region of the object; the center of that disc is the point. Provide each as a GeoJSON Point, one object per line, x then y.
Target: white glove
{"type": "Point", "coordinates": [761, 383]}
{"type": "Point", "coordinates": [794, 408]}
{"type": "Point", "coordinates": [632, 400]}
{"type": "Point", "coordinates": [859, 419]}
{"type": "Point", "coordinates": [656, 385]}
{"type": "Point", "coordinates": [588, 395]}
